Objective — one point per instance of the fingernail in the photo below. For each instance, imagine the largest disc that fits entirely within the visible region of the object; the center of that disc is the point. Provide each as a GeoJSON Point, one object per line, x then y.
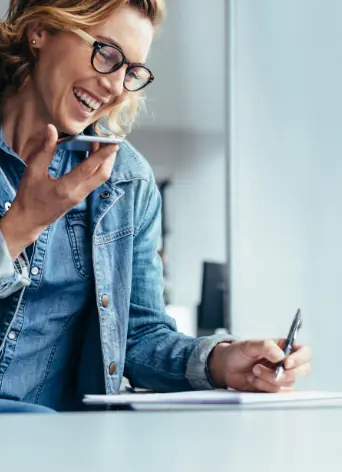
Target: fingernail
{"type": "Point", "coordinates": [114, 148]}
{"type": "Point", "coordinates": [290, 363]}
{"type": "Point", "coordinates": [257, 370]}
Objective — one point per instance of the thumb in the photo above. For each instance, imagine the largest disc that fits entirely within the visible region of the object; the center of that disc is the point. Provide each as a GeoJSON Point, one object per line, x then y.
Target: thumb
{"type": "Point", "coordinates": [50, 139]}
{"type": "Point", "coordinates": [43, 155]}
{"type": "Point", "coordinates": [51, 133]}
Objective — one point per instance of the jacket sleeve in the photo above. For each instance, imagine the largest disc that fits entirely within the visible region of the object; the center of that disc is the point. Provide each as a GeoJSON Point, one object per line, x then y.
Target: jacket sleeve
{"type": "Point", "coordinates": [13, 274]}
{"type": "Point", "coordinates": [158, 357]}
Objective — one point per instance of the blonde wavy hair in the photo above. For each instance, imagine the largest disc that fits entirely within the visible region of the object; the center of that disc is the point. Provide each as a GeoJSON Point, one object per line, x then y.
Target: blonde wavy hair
{"type": "Point", "coordinates": [17, 59]}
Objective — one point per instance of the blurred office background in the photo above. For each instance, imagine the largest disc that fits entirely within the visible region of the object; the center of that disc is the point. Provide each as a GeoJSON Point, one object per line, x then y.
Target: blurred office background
{"type": "Point", "coordinates": [259, 187]}
{"type": "Point", "coordinates": [183, 137]}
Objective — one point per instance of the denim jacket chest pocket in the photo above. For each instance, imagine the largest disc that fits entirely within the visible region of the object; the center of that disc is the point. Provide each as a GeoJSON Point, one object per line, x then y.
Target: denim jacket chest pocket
{"type": "Point", "coordinates": [114, 236]}
{"type": "Point", "coordinates": [118, 223]}
{"type": "Point", "coordinates": [78, 228]}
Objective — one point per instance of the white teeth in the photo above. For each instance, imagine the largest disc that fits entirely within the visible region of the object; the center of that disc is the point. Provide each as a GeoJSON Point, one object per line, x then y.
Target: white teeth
{"type": "Point", "coordinates": [95, 105]}
{"type": "Point", "coordinates": [88, 100]}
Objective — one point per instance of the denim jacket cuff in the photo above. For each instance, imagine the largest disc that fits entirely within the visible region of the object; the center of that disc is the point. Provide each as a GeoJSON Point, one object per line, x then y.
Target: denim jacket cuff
{"type": "Point", "coordinates": [197, 368]}
{"type": "Point", "coordinates": [13, 274]}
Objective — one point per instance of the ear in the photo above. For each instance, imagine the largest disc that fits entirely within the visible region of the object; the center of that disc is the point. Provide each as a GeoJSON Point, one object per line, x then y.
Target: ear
{"type": "Point", "coordinates": [37, 37]}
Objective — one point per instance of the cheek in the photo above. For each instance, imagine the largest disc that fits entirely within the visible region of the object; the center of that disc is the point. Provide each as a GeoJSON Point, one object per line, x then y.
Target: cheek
{"type": "Point", "coordinates": [58, 72]}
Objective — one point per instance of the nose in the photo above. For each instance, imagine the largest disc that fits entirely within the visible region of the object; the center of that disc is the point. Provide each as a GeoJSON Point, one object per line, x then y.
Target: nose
{"type": "Point", "coordinates": [114, 83]}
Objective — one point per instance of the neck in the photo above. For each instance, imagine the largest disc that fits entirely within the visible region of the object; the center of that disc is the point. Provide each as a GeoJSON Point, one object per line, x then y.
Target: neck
{"type": "Point", "coordinates": [23, 122]}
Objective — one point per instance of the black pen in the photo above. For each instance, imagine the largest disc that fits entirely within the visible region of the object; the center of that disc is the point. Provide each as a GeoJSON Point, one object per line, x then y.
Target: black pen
{"type": "Point", "coordinates": [295, 326]}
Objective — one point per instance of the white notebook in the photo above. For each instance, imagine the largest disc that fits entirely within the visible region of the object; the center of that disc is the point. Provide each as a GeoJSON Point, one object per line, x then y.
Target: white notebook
{"type": "Point", "coordinates": [212, 397]}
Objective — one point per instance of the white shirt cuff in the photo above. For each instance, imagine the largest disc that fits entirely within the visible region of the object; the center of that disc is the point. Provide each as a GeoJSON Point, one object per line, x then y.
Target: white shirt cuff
{"type": "Point", "coordinates": [13, 274]}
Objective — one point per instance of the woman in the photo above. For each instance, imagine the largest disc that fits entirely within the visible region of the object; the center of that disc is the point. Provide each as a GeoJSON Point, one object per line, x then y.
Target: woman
{"type": "Point", "coordinates": [81, 297]}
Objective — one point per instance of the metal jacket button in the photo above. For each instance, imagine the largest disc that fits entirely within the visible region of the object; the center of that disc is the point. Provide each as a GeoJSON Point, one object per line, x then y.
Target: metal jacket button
{"type": "Point", "coordinates": [105, 301]}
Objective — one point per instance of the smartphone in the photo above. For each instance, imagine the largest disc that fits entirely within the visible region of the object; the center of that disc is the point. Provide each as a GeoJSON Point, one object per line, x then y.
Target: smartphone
{"type": "Point", "coordinates": [84, 143]}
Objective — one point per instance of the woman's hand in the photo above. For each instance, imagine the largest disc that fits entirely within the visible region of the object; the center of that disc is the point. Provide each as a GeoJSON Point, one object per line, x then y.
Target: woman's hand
{"type": "Point", "coordinates": [42, 199]}
{"type": "Point", "coordinates": [250, 365]}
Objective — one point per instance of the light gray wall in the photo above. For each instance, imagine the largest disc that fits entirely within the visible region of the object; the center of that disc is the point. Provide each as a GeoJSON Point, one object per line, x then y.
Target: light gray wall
{"type": "Point", "coordinates": [188, 60]}
{"type": "Point", "coordinates": [286, 174]}
{"type": "Point", "coordinates": [3, 7]}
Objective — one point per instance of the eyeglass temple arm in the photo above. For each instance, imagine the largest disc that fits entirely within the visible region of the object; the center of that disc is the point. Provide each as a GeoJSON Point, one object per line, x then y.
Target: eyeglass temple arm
{"type": "Point", "coordinates": [82, 34]}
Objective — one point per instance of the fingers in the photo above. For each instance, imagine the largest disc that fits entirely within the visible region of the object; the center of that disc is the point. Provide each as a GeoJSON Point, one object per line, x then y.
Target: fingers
{"type": "Point", "coordinates": [300, 355]}
{"type": "Point", "coordinates": [288, 377]}
{"type": "Point", "coordinates": [261, 385]}
{"type": "Point", "coordinates": [41, 160]}
{"type": "Point", "coordinates": [95, 147]}
{"type": "Point", "coordinates": [92, 166]}
{"type": "Point", "coordinates": [267, 349]}
{"type": "Point", "coordinates": [101, 175]}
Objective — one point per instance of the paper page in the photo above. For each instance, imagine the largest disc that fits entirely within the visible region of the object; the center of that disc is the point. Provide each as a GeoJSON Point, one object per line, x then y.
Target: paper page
{"type": "Point", "coordinates": [289, 396]}
{"type": "Point", "coordinates": [213, 397]}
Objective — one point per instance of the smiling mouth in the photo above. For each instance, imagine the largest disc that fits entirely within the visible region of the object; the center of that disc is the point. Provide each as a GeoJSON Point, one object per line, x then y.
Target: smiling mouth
{"type": "Point", "coordinates": [88, 103]}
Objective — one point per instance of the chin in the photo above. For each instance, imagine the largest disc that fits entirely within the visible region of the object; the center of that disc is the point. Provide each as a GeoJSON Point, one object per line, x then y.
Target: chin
{"type": "Point", "coordinates": [72, 127]}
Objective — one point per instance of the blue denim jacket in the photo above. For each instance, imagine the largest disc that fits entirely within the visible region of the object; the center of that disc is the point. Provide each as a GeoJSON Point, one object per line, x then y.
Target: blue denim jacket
{"type": "Point", "coordinates": [127, 331]}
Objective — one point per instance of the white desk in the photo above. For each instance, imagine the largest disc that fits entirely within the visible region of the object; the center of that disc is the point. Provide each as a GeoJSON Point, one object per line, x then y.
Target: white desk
{"type": "Point", "coordinates": [229, 441]}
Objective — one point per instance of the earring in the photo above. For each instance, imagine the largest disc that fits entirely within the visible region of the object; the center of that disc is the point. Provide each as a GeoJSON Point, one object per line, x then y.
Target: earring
{"type": "Point", "coordinates": [33, 41]}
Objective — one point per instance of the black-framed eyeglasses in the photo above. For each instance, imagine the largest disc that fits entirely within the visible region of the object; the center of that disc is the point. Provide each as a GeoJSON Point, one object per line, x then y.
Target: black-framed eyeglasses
{"type": "Point", "coordinates": [108, 58]}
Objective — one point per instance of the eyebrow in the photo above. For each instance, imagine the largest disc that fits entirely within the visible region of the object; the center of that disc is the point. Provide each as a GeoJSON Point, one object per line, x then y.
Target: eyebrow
{"type": "Point", "coordinates": [107, 40]}
{"type": "Point", "coordinates": [111, 41]}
